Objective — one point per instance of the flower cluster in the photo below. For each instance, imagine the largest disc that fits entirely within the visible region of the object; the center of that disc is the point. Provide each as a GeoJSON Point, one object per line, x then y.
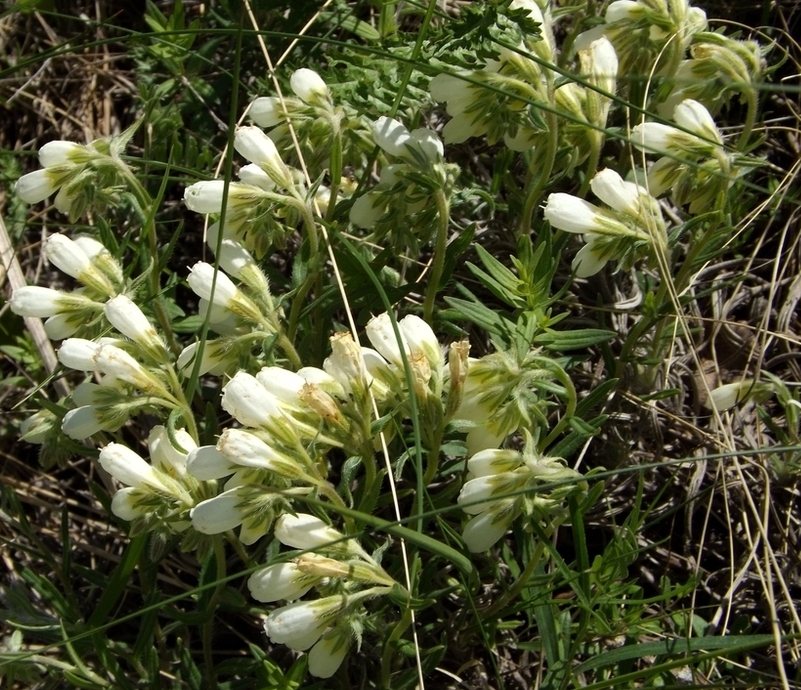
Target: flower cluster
{"type": "Point", "coordinates": [407, 185]}
{"type": "Point", "coordinates": [339, 570]}
{"type": "Point", "coordinates": [695, 167]}
{"type": "Point", "coordinates": [648, 32]}
{"type": "Point", "coordinates": [491, 101]}
{"type": "Point", "coordinates": [505, 393]}
{"type": "Point", "coordinates": [625, 232]}
{"type": "Point", "coordinates": [504, 484]}
{"type": "Point", "coordinates": [79, 175]}
{"type": "Point", "coordinates": [268, 200]}
{"type": "Point", "coordinates": [79, 311]}
{"type": "Point", "coordinates": [159, 494]}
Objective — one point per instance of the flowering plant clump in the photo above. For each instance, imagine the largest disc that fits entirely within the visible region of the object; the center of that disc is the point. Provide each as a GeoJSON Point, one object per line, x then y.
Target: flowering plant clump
{"type": "Point", "coordinates": [369, 388]}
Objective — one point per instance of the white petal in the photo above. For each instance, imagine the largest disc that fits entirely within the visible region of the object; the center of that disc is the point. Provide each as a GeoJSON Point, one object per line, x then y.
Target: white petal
{"type": "Point", "coordinates": [35, 186]}
{"type": "Point", "coordinates": [303, 531]}
{"type": "Point", "coordinates": [60, 326]}
{"type": "Point", "coordinates": [79, 353]}
{"type": "Point", "coordinates": [257, 147]}
{"type": "Point", "coordinates": [82, 422]}
{"type": "Point", "coordinates": [588, 262]}
{"type": "Point", "coordinates": [327, 655]}
{"type": "Point", "coordinates": [279, 581]}
{"type": "Point", "coordinates": [123, 504]}
{"type": "Point", "coordinates": [55, 153]}
{"type": "Point", "coordinates": [206, 462]}
{"type": "Point", "coordinates": [32, 300]}
{"type": "Point", "coordinates": [218, 514]}
{"type": "Point", "coordinates": [249, 402]}
{"type": "Point", "coordinates": [472, 493]}
{"type": "Point", "coordinates": [391, 136]}
{"type": "Point", "coordinates": [694, 117]}
{"type": "Point", "coordinates": [266, 111]}
{"type": "Point", "coordinates": [569, 213]}
{"type": "Point", "coordinates": [309, 86]}
{"type": "Point", "coordinates": [128, 467]}
{"type": "Point", "coordinates": [61, 251]}
{"type": "Point", "coordinates": [482, 531]}
{"type": "Point", "coordinates": [202, 278]}
{"type": "Point", "coordinates": [613, 190]}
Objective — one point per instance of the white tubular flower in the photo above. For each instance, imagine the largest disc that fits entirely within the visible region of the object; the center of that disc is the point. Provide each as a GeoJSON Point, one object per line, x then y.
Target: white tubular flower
{"type": "Point", "coordinates": [164, 455]}
{"type": "Point", "coordinates": [129, 468]}
{"type": "Point", "coordinates": [280, 581]}
{"type": "Point", "coordinates": [246, 399]}
{"type": "Point", "coordinates": [307, 532]}
{"type": "Point", "coordinates": [203, 277]}
{"type": "Point", "coordinates": [392, 136]}
{"type": "Point", "coordinates": [309, 87]}
{"type": "Point", "coordinates": [571, 214]}
{"type": "Point", "coordinates": [613, 190]}
{"type": "Point", "coordinates": [329, 652]}
{"type": "Point", "coordinates": [486, 528]}
{"type": "Point", "coordinates": [300, 625]}
{"type": "Point", "coordinates": [257, 147]}
{"type": "Point", "coordinates": [68, 256]}
{"type": "Point", "coordinates": [219, 514]}
{"type": "Point", "coordinates": [32, 300]}
{"type": "Point", "coordinates": [368, 209]}
{"type": "Point", "coordinates": [266, 112]}
{"type": "Point", "coordinates": [207, 196]}
{"type": "Point", "coordinates": [346, 363]}
{"type": "Point", "coordinates": [252, 174]}
{"type": "Point", "coordinates": [113, 361]}
{"type": "Point", "coordinates": [60, 326]}
{"type": "Point", "coordinates": [79, 353]}
{"type": "Point", "coordinates": [206, 462]}
{"type": "Point", "coordinates": [211, 362]}
{"type": "Point", "coordinates": [283, 384]}
{"type": "Point", "coordinates": [492, 461]}
{"type": "Point", "coordinates": [125, 505]}
{"type": "Point", "coordinates": [694, 117]}
{"type": "Point", "coordinates": [245, 449]}
{"type": "Point", "coordinates": [622, 10]}
{"type": "Point", "coordinates": [55, 153]}
{"type": "Point", "coordinates": [473, 493]}
{"type": "Point", "coordinates": [58, 158]}
{"type": "Point", "coordinates": [82, 422]}
{"type": "Point", "coordinates": [36, 186]}
{"type": "Point", "coordinates": [128, 319]}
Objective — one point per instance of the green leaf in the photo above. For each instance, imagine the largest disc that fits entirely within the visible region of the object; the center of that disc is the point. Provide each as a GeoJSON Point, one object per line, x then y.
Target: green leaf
{"type": "Point", "coordinates": [573, 340]}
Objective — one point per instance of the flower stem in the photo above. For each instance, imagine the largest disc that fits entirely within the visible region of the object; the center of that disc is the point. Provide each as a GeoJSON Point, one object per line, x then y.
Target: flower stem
{"type": "Point", "coordinates": [208, 627]}
{"type": "Point", "coordinates": [145, 202]}
{"type": "Point", "coordinates": [538, 183]}
{"type": "Point", "coordinates": [443, 214]}
{"type": "Point", "coordinates": [522, 580]}
{"type": "Point", "coordinates": [314, 277]}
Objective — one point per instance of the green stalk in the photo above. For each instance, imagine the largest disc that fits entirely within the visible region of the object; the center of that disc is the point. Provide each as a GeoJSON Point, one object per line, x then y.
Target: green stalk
{"type": "Point", "coordinates": [394, 636]}
{"type": "Point", "coordinates": [592, 162]}
{"type": "Point", "coordinates": [538, 183]}
{"type": "Point", "coordinates": [146, 204]}
{"type": "Point", "coordinates": [750, 118]}
{"type": "Point", "coordinates": [313, 278]}
{"type": "Point", "coordinates": [522, 580]}
{"type": "Point", "coordinates": [443, 214]}
{"type": "Point", "coordinates": [208, 627]}
{"type": "Point", "coordinates": [572, 401]}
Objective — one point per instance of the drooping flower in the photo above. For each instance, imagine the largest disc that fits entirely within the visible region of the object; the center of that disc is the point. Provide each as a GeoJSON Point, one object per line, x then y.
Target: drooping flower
{"type": "Point", "coordinates": [629, 228]}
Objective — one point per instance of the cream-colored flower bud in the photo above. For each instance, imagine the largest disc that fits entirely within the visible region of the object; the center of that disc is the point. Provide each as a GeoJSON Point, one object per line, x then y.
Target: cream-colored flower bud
{"type": "Point", "coordinates": [300, 625]}
{"type": "Point", "coordinates": [36, 186]}
{"type": "Point", "coordinates": [327, 655]}
{"type": "Point", "coordinates": [309, 87]}
{"type": "Point", "coordinates": [129, 320]}
{"type": "Point", "coordinates": [280, 581]}
{"type": "Point", "coordinates": [307, 532]}
{"type": "Point", "coordinates": [258, 148]}
{"type": "Point", "coordinates": [79, 353]}
{"type": "Point", "coordinates": [267, 112]}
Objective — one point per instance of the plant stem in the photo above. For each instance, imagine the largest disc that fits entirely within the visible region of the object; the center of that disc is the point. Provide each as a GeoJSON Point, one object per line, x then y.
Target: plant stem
{"type": "Point", "coordinates": [394, 636]}
{"type": "Point", "coordinates": [443, 214]}
{"type": "Point", "coordinates": [538, 183]}
{"type": "Point", "coordinates": [313, 278]}
{"type": "Point", "coordinates": [525, 576]}
{"type": "Point", "coordinates": [145, 202]}
{"type": "Point", "coordinates": [208, 627]}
